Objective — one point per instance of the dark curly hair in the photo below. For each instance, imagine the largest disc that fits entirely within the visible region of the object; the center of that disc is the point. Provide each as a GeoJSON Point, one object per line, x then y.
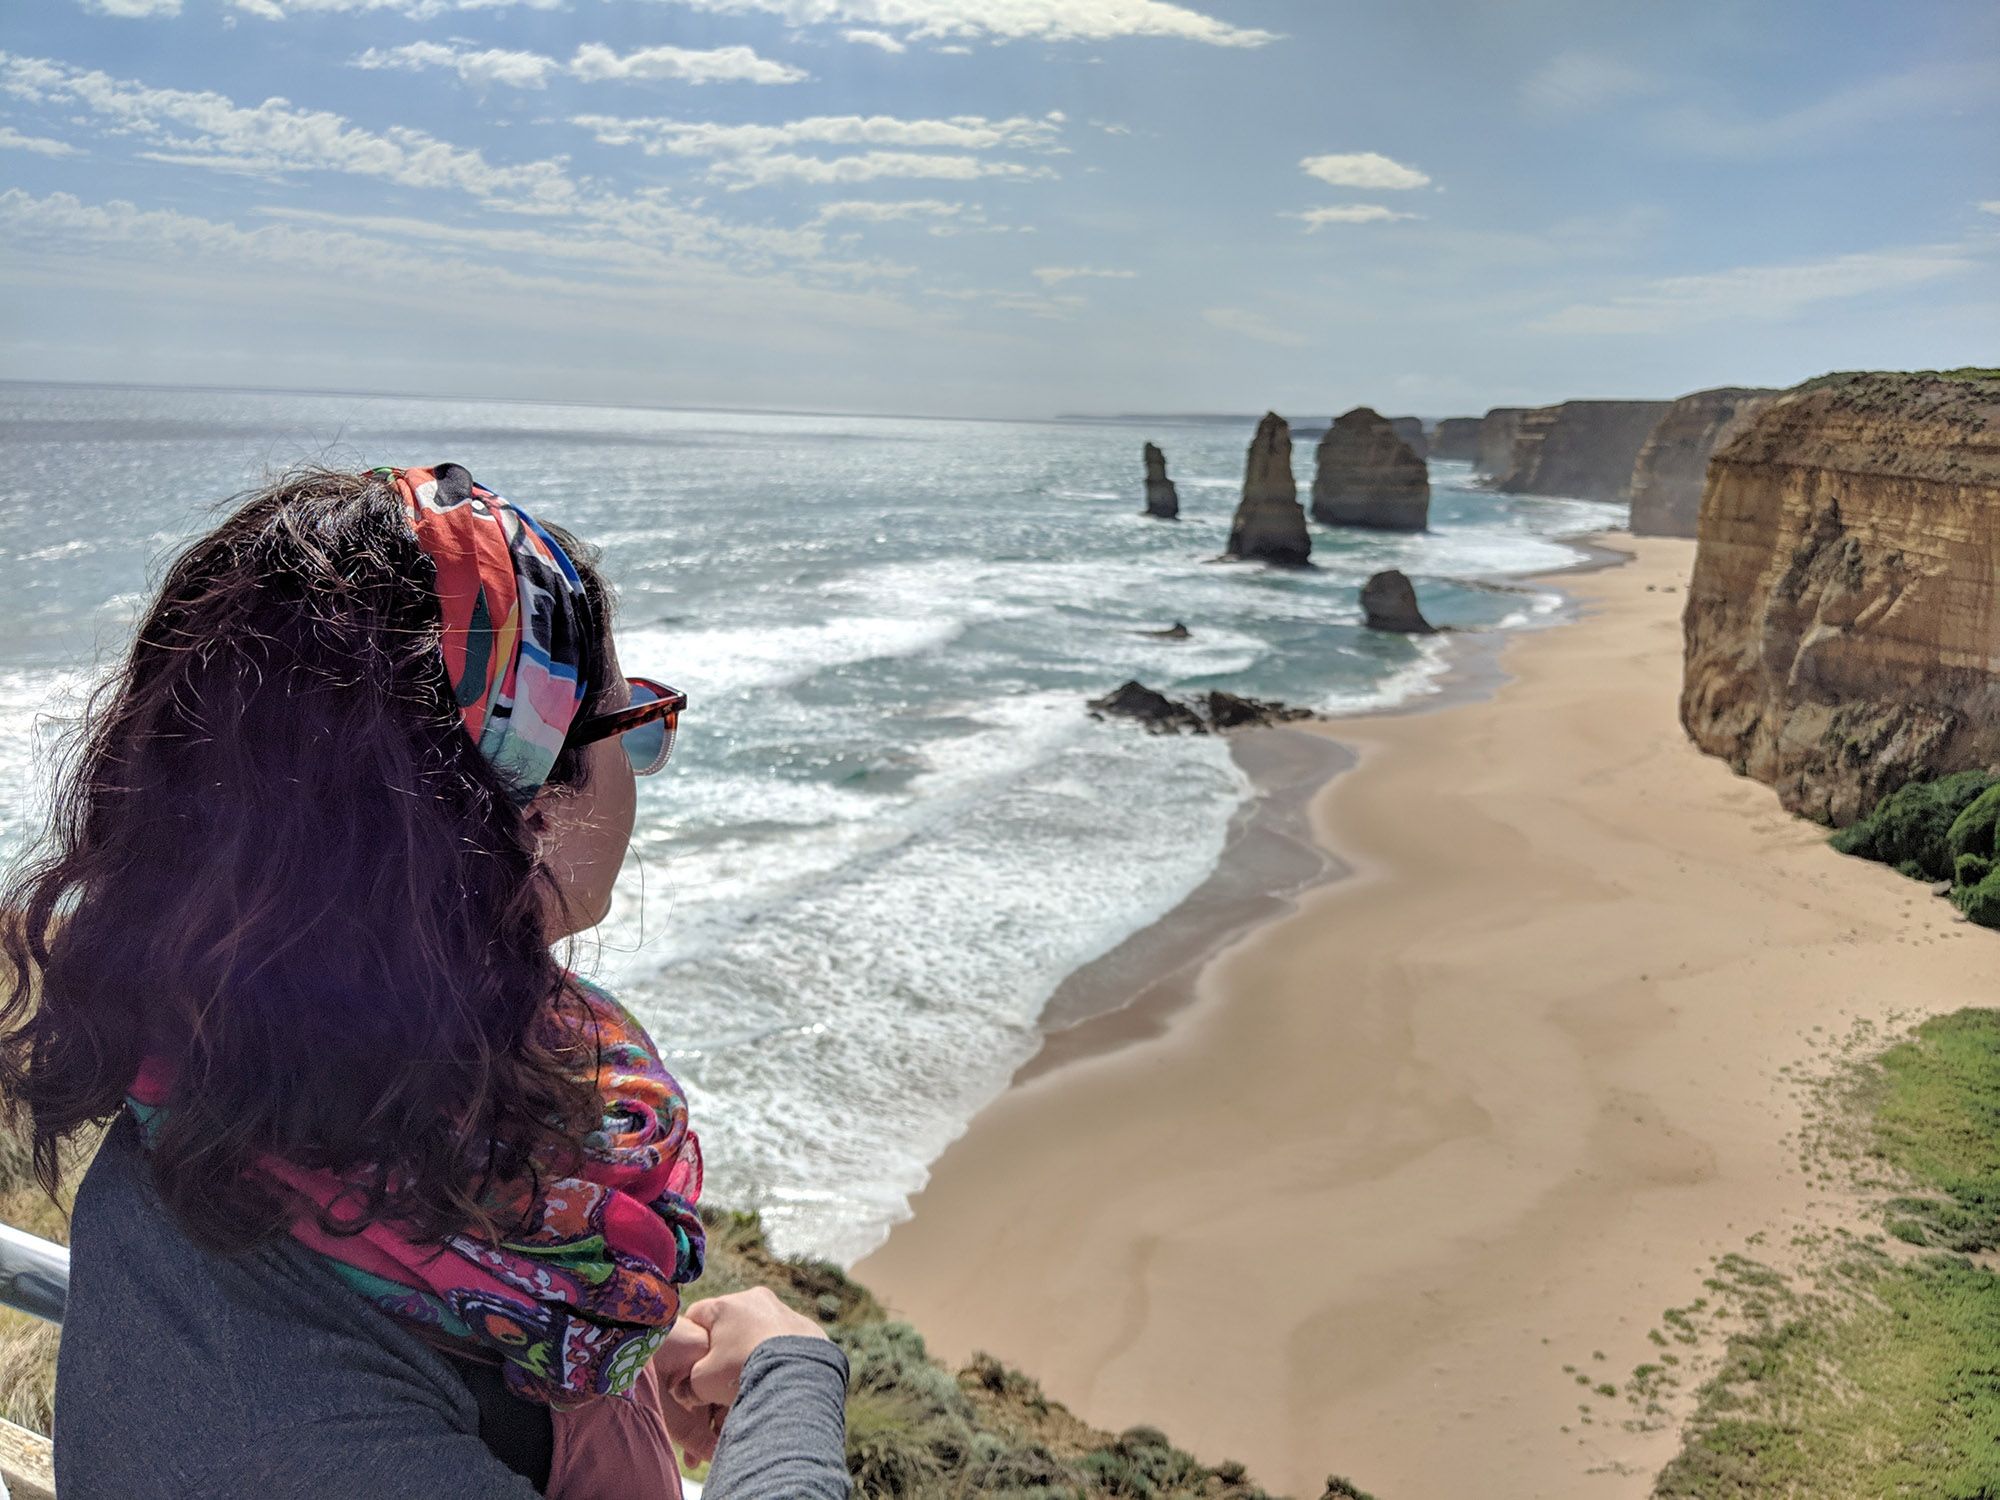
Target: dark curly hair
{"type": "Point", "coordinates": [275, 856]}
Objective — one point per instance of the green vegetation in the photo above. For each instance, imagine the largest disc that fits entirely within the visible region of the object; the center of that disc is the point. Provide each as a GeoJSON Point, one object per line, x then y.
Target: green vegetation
{"type": "Point", "coordinates": [1948, 829]}
{"type": "Point", "coordinates": [914, 1428]}
{"type": "Point", "coordinates": [1881, 1377]}
{"type": "Point", "coordinates": [1911, 827]}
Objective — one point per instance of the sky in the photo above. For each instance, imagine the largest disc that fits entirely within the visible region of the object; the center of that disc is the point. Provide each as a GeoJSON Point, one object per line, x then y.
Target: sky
{"type": "Point", "coordinates": [999, 208]}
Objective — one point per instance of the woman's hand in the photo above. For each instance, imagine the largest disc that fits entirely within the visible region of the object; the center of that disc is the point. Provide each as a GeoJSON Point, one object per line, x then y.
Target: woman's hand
{"type": "Point", "coordinates": [735, 1325]}
{"type": "Point", "coordinates": [693, 1425]}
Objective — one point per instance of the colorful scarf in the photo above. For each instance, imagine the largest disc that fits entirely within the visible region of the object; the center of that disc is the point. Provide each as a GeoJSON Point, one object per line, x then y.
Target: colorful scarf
{"type": "Point", "coordinates": [515, 619]}
{"type": "Point", "coordinates": [577, 1303]}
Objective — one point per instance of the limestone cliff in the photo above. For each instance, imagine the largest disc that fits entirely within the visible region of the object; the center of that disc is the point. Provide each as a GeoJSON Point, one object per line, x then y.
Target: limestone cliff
{"type": "Point", "coordinates": [1667, 478]}
{"type": "Point", "coordinates": [1842, 636]}
{"type": "Point", "coordinates": [1497, 431]}
{"type": "Point", "coordinates": [1584, 449]}
{"type": "Point", "coordinates": [1411, 431]}
{"type": "Point", "coordinates": [1456, 439]}
{"type": "Point", "coordinates": [1269, 525]}
{"type": "Point", "coordinates": [1365, 475]}
{"type": "Point", "coordinates": [1162, 499]}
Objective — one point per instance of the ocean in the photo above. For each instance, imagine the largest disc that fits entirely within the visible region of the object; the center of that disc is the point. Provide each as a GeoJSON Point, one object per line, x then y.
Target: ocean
{"type": "Point", "coordinates": [890, 828]}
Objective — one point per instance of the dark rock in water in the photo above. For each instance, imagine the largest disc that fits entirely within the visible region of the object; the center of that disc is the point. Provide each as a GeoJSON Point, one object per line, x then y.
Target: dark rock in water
{"type": "Point", "coordinates": [1162, 499]}
{"type": "Point", "coordinates": [1389, 601]}
{"type": "Point", "coordinates": [1411, 431]}
{"type": "Point", "coordinates": [1228, 711]}
{"type": "Point", "coordinates": [1159, 713]}
{"type": "Point", "coordinates": [1365, 475]}
{"type": "Point", "coordinates": [1269, 526]}
{"type": "Point", "coordinates": [1213, 711]}
{"type": "Point", "coordinates": [1174, 632]}
{"type": "Point", "coordinates": [1456, 439]}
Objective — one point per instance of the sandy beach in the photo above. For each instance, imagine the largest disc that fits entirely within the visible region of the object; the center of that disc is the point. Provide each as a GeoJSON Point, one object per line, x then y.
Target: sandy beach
{"type": "Point", "coordinates": [1483, 1108]}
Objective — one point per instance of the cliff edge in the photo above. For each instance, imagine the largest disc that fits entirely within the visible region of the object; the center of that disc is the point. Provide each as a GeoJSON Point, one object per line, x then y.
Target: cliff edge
{"type": "Point", "coordinates": [1841, 633]}
{"type": "Point", "coordinates": [1672, 466]}
{"type": "Point", "coordinates": [1584, 449]}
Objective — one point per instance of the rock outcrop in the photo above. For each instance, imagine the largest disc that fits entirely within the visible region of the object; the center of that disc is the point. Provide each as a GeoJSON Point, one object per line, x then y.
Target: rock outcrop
{"type": "Point", "coordinates": [1411, 431]}
{"type": "Point", "coordinates": [1667, 478]}
{"type": "Point", "coordinates": [1365, 475]}
{"type": "Point", "coordinates": [1456, 440]}
{"type": "Point", "coordinates": [1497, 431]}
{"type": "Point", "coordinates": [1162, 500]}
{"type": "Point", "coordinates": [1213, 712]}
{"type": "Point", "coordinates": [1270, 526]}
{"type": "Point", "coordinates": [1584, 449]}
{"type": "Point", "coordinates": [1389, 602]}
{"type": "Point", "coordinates": [1842, 632]}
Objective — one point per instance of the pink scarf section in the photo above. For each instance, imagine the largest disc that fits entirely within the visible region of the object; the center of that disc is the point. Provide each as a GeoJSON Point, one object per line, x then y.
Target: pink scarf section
{"type": "Point", "coordinates": [575, 1305]}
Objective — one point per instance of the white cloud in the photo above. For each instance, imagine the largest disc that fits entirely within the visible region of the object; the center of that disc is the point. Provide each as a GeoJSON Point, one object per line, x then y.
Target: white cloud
{"type": "Point", "coordinates": [593, 63]}
{"type": "Point", "coordinates": [1056, 275]}
{"type": "Point", "coordinates": [1252, 325]}
{"type": "Point", "coordinates": [868, 38]}
{"type": "Point", "coordinates": [519, 70]}
{"type": "Point", "coordinates": [1007, 20]}
{"type": "Point", "coordinates": [1345, 213]}
{"type": "Point", "coordinates": [756, 155]}
{"type": "Point", "coordinates": [658, 135]}
{"type": "Point", "coordinates": [954, 50]}
{"type": "Point", "coordinates": [871, 211]}
{"type": "Point", "coordinates": [133, 9]}
{"type": "Point", "coordinates": [207, 129]}
{"type": "Point", "coordinates": [867, 166]}
{"type": "Point", "coordinates": [1725, 132]}
{"type": "Point", "coordinates": [12, 140]}
{"type": "Point", "coordinates": [1756, 292]}
{"type": "Point", "coordinates": [1576, 83]}
{"type": "Point", "coordinates": [415, 10]}
{"type": "Point", "coordinates": [1990, 206]}
{"type": "Point", "coordinates": [1363, 169]}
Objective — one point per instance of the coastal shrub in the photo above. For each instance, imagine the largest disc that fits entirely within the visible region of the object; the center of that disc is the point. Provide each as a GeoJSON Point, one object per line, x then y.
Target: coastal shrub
{"type": "Point", "coordinates": [1975, 830]}
{"type": "Point", "coordinates": [888, 1449]}
{"type": "Point", "coordinates": [1980, 902]}
{"type": "Point", "coordinates": [1911, 827]}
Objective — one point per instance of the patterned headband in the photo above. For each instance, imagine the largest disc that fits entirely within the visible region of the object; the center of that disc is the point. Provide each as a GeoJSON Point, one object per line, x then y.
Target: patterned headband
{"type": "Point", "coordinates": [515, 620]}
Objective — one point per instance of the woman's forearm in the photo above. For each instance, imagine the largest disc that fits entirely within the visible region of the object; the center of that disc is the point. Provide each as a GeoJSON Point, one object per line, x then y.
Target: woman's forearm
{"type": "Point", "coordinates": [787, 1433]}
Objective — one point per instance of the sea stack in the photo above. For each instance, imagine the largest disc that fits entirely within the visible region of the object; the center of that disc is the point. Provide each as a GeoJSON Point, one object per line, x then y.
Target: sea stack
{"type": "Point", "coordinates": [1161, 498]}
{"type": "Point", "coordinates": [1842, 630]}
{"type": "Point", "coordinates": [1667, 479]}
{"type": "Point", "coordinates": [1497, 431]}
{"type": "Point", "coordinates": [1367, 476]}
{"type": "Point", "coordinates": [1411, 431]}
{"type": "Point", "coordinates": [1456, 440]}
{"type": "Point", "coordinates": [1389, 602]}
{"type": "Point", "coordinates": [1269, 526]}
{"type": "Point", "coordinates": [1583, 449]}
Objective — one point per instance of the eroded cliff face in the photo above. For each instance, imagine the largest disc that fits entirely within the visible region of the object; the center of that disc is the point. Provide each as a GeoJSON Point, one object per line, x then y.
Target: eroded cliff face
{"type": "Point", "coordinates": [1366, 475]}
{"type": "Point", "coordinates": [1456, 439]}
{"type": "Point", "coordinates": [1585, 449]}
{"type": "Point", "coordinates": [1841, 628]}
{"type": "Point", "coordinates": [1497, 431]}
{"type": "Point", "coordinates": [1411, 431]}
{"type": "Point", "coordinates": [1667, 478]}
{"type": "Point", "coordinates": [1270, 524]}
{"type": "Point", "coordinates": [1163, 501]}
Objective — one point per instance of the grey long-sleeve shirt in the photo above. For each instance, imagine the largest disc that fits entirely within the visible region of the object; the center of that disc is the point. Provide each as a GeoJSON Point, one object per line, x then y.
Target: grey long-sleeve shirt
{"type": "Point", "coordinates": [189, 1376]}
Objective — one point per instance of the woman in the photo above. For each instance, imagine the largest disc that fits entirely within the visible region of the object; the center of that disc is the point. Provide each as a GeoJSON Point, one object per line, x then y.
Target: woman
{"type": "Point", "coordinates": [392, 1203]}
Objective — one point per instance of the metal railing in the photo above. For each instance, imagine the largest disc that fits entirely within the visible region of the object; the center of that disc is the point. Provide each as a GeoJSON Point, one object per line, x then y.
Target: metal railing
{"type": "Point", "coordinates": [34, 1274]}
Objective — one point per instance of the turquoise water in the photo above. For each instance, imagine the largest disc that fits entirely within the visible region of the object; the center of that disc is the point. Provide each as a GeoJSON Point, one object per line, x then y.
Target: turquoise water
{"type": "Point", "coordinates": [889, 829]}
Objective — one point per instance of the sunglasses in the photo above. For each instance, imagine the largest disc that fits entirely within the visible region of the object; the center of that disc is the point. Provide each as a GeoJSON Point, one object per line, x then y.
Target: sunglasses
{"type": "Point", "coordinates": [645, 726]}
